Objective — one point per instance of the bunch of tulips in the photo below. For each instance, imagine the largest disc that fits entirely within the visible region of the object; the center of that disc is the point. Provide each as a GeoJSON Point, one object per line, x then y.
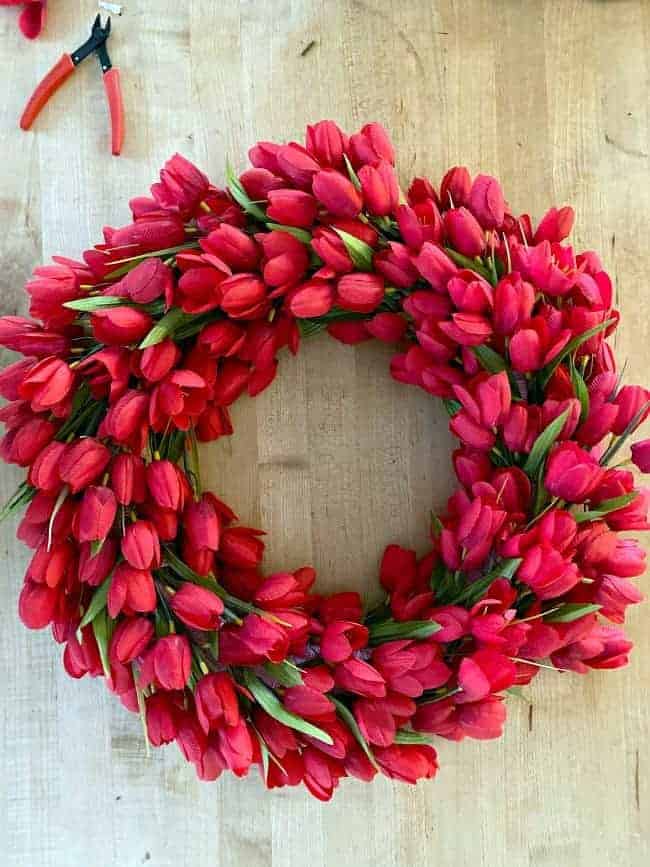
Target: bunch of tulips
{"type": "Point", "coordinates": [133, 357]}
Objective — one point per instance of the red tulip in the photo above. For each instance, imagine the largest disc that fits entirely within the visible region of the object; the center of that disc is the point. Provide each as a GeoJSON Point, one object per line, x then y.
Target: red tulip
{"type": "Point", "coordinates": [44, 472]}
{"type": "Point", "coordinates": [371, 145]}
{"type": "Point", "coordinates": [464, 232]}
{"type": "Point", "coordinates": [455, 188]}
{"type": "Point", "coordinates": [234, 247]}
{"type": "Point", "coordinates": [120, 326]}
{"type": "Point", "coordinates": [131, 590]}
{"type": "Point", "coordinates": [295, 163]}
{"type": "Point", "coordinates": [158, 360]}
{"type": "Point", "coordinates": [126, 420]}
{"type": "Point", "coordinates": [216, 701]}
{"type": "Point", "coordinates": [337, 194]}
{"type": "Point", "coordinates": [96, 514]}
{"type": "Point", "coordinates": [197, 607]}
{"type": "Point", "coordinates": [37, 604]}
{"type": "Point", "coordinates": [182, 187]}
{"type": "Point", "coordinates": [27, 337]}
{"type": "Point", "coordinates": [243, 296]}
{"type": "Point", "coordinates": [141, 545]}
{"type": "Point", "coordinates": [360, 678]}
{"type": "Point", "coordinates": [327, 143]}
{"type": "Point", "coordinates": [83, 463]}
{"type": "Point", "coordinates": [292, 208]}
{"type": "Point", "coordinates": [94, 568]}
{"type": "Point", "coordinates": [128, 479]}
{"type": "Point", "coordinates": [360, 292]}
{"type": "Point", "coordinates": [341, 639]}
{"type": "Point", "coordinates": [572, 473]}
{"type": "Point", "coordinates": [50, 287]}
{"type": "Point", "coordinates": [149, 280]}
{"type": "Point", "coordinates": [486, 201]}
{"type": "Point", "coordinates": [435, 266]}
{"type": "Point", "coordinates": [130, 639]}
{"type": "Point", "coordinates": [162, 718]}
{"type": "Point", "coordinates": [313, 298]}
{"type": "Point", "coordinates": [407, 762]}
{"type": "Point", "coordinates": [168, 663]}
{"type": "Point", "coordinates": [286, 259]}
{"type": "Point", "coordinates": [380, 188]}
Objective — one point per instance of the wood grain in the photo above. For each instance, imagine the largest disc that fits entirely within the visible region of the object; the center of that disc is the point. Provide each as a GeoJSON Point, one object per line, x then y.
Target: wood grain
{"type": "Point", "coordinates": [335, 459]}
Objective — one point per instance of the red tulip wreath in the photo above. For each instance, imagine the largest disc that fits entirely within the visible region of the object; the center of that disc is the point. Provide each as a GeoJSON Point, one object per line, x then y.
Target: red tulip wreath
{"type": "Point", "coordinates": [133, 357]}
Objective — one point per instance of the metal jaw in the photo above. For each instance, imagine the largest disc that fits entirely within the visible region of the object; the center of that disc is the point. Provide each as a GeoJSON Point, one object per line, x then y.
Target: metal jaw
{"type": "Point", "coordinates": [95, 43]}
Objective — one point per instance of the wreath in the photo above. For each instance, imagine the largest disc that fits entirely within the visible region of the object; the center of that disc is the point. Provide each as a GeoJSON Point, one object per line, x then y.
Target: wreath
{"type": "Point", "coordinates": [133, 357]}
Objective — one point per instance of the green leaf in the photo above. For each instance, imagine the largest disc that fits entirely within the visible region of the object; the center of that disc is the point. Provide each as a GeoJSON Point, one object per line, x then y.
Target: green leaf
{"type": "Point", "coordinates": [21, 497]}
{"type": "Point", "coordinates": [102, 628]}
{"type": "Point", "coordinates": [392, 630]}
{"type": "Point", "coordinates": [471, 264]}
{"type": "Point", "coordinates": [285, 673]}
{"type": "Point", "coordinates": [570, 348]}
{"type": "Point", "coordinates": [606, 507]}
{"type": "Point", "coordinates": [95, 302]}
{"type": "Point", "coordinates": [264, 753]}
{"type": "Point", "coordinates": [97, 603]}
{"type": "Point", "coordinates": [301, 234]}
{"type": "Point", "coordinates": [475, 591]}
{"type": "Point", "coordinates": [490, 360]}
{"type": "Point", "coordinates": [354, 177]}
{"type": "Point", "coordinates": [165, 327]}
{"type": "Point", "coordinates": [632, 425]}
{"type": "Point", "coordinates": [452, 406]}
{"type": "Point", "coordinates": [543, 444]}
{"type": "Point", "coordinates": [580, 389]}
{"type": "Point", "coordinates": [406, 736]}
{"type": "Point", "coordinates": [360, 252]}
{"type": "Point", "coordinates": [348, 718]}
{"type": "Point", "coordinates": [269, 702]}
{"type": "Point", "coordinates": [240, 195]}
{"type": "Point", "coordinates": [571, 611]}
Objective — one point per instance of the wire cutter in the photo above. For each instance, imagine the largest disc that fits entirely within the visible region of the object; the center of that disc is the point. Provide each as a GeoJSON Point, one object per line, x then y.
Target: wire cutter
{"type": "Point", "coordinates": [66, 65]}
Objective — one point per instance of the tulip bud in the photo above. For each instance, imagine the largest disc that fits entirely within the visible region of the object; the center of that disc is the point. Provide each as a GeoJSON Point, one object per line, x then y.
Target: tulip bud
{"type": "Point", "coordinates": [361, 292]}
{"type": "Point", "coordinates": [486, 201]}
{"type": "Point", "coordinates": [171, 659]}
{"type": "Point", "coordinates": [149, 280]}
{"type": "Point", "coordinates": [295, 163]}
{"type": "Point", "coordinates": [12, 377]}
{"type": "Point", "coordinates": [258, 183]}
{"type": "Point", "coordinates": [161, 716]}
{"type": "Point", "coordinates": [27, 337]}
{"type": "Point", "coordinates": [128, 479]}
{"type": "Point", "coordinates": [371, 145]}
{"type": "Point", "coordinates": [435, 266]}
{"type": "Point", "coordinates": [94, 568]}
{"type": "Point", "coordinates": [241, 548]}
{"type": "Point", "coordinates": [131, 590]}
{"type": "Point", "coordinates": [337, 194]}
{"type": "Point", "coordinates": [165, 485]}
{"type": "Point", "coordinates": [50, 287]}
{"type": "Point", "coordinates": [380, 188]}
{"type": "Point", "coordinates": [197, 607]}
{"type": "Point", "coordinates": [292, 208]}
{"type": "Point", "coordinates": [182, 186]}
{"type": "Point", "coordinates": [126, 420]}
{"type": "Point", "coordinates": [313, 298]}
{"type": "Point", "coordinates": [455, 188]}
{"type": "Point", "coordinates": [130, 639]}
{"type": "Point", "coordinates": [555, 225]}
{"type": "Point", "coordinates": [234, 247]}
{"type": "Point", "coordinates": [21, 445]}
{"type": "Point", "coordinates": [96, 514]}
{"type": "Point", "coordinates": [216, 701]}
{"type": "Point", "coordinates": [37, 604]}
{"type": "Point", "coordinates": [83, 462]}
{"type": "Point", "coordinates": [243, 296]}
{"type": "Point", "coordinates": [285, 258]}
{"type": "Point", "coordinates": [141, 545]}
{"type": "Point", "coordinates": [44, 472]}
{"type": "Point", "coordinates": [156, 361]}
{"type": "Point", "coordinates": [201, 526]}
{"type": "Point", "coordinates": [326, 143]}
{"type": "Point", "coordinates": [641, 455]}
{"type": "Point", "coordinates": [633, 401]}
{"type": "Point", "coordinates": [464, 232]}
{"type": "Point", "coordinates": [572, 473]}
{"type": "Point", "coordinates": [120, 326]}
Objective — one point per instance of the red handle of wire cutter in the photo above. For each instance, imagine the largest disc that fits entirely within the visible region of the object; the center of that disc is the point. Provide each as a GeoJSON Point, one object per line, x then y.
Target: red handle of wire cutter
{"type": "Point", "coordinates": [63, 68]}
{"type": "Point", "coordinates": [116, 108]}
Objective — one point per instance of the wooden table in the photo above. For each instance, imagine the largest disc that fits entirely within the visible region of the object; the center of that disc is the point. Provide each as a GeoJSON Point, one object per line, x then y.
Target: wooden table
{"type": "Point", "coordinates": [335, 459]}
